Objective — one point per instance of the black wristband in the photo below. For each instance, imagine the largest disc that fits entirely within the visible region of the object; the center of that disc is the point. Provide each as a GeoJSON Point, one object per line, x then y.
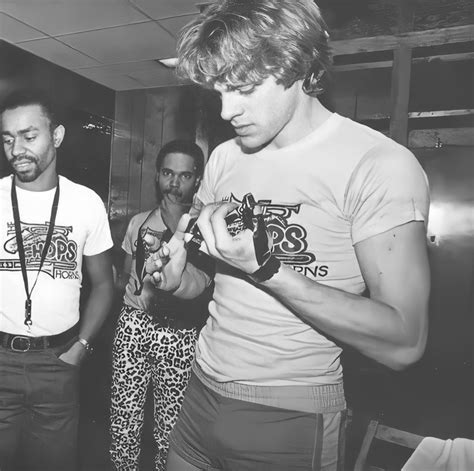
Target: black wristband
{"type": "Point", "coordinates": [266, 271]}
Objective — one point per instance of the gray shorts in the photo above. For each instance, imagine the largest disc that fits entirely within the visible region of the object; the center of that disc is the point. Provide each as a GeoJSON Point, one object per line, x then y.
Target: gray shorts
{"type": "Point", "coordinates": [215, 432]}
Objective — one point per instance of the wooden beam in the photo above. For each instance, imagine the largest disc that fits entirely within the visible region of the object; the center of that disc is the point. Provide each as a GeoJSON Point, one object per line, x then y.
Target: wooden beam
{"type": "Point", "coordinates": [398, 437]}
{"type": "Point", "coordinates": [431, 37]}
{"type": "Point", "coordinates": [420, 114]}
{"type": "Point", "coordinates": [440, 113]}
{"type": "Point", "coordinates": [419, 138]}
{"type": "Point", "coordinates": [462, 56]}
{"type": "Point", "coordinates": [406, 15]}
{"type": "Point", "coordinates": [457, 57]}
{"type": "Point", "coordinates": [400, 95]}
{"type": "Point", "coordinates": [369, 436]}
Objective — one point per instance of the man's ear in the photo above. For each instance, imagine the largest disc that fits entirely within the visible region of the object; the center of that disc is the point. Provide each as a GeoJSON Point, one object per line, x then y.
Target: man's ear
{"type": "Point", "coordinates": [197, 182]}
{"type": "Point", "coordinates": [58, 135]}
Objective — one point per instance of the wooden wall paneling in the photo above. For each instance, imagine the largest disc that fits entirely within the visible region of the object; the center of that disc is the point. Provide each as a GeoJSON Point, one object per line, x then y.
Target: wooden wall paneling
{"type": "Point", "coordinates": [179, 113]}
{"type": "Point", "coordinates": [136, 153]}
{"type": "Point", "coordinates": [152, 142]}
{"type": "Point", "coordinates": [119, 167]}
{"type": "Point", "coordinates": [202, 130]}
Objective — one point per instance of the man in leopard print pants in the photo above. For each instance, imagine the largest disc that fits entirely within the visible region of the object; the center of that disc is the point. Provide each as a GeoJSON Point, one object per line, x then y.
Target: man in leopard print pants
{"type": "Point", "coordinates": [156, 332]}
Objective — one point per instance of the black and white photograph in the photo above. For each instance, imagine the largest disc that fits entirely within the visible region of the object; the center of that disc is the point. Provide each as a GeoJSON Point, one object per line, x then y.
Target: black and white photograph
{"type": "Point", "coordinates": [237, 235]}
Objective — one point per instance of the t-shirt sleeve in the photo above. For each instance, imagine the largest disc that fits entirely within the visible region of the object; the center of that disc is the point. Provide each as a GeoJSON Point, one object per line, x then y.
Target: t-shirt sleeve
{"type": "Point", "coordinates": [128, 237]}
{"type": "Point", "coordinates": [387, 189]}
{"type": "Point", "coordinates": [99, 237]}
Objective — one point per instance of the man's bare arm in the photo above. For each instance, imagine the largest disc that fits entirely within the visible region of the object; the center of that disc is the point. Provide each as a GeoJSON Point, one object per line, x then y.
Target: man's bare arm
{"type": "Point", "coordinates": [98, 304]}
{"type": "Point", "coordinates": [123, 276]}
{"type": "Point", "coordinates": [390, 326]}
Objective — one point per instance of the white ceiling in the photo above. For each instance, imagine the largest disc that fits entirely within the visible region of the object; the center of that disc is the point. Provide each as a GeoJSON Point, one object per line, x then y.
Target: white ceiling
{"type": "Point", "coordinates": [113, 42]}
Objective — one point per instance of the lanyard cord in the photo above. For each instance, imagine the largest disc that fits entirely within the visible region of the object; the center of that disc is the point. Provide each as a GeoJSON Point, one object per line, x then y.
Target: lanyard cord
{"type": "Point", "coordinates": [21, 247]}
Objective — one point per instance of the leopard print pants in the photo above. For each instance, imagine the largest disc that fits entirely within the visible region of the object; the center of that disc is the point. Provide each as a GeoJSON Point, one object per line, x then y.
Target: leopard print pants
{"type": "Point", "coordinates": [144, 352]}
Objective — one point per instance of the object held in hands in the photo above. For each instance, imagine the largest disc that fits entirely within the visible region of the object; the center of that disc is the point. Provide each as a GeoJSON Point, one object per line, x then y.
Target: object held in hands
{"type": "Point", "coordinates": [245, 216]}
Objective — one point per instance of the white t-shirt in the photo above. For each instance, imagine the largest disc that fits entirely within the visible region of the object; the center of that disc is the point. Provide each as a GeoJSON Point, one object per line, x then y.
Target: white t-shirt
{"type": "Point", "coordinates": [81, 228]}
{"type": "Point", "coordinates": [337, 186]}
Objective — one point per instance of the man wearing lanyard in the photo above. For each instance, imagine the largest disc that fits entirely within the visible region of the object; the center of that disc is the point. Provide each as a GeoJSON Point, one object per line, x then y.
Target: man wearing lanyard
{"type": "Point", "coordinates": [48, 226]}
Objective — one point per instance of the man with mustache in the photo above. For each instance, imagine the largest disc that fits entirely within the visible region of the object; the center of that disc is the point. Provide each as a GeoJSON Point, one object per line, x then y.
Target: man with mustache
{"type": "Point", "coordinates": [49, 228]}
{"type": "Point", "coordinates": [156, 332]}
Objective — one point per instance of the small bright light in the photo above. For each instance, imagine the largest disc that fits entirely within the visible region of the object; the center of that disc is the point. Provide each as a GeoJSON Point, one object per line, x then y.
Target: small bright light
{"type": "Point", "coordinates": [170, 62]}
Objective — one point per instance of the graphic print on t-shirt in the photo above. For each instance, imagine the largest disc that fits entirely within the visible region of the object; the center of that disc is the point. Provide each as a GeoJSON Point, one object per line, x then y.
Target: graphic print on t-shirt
{"type": "Point", "coordinates": [61, 260]}
{"type": "Point", "coordinates": [145, 231]}
{"type": "Point", "coordinates": [290, 243]}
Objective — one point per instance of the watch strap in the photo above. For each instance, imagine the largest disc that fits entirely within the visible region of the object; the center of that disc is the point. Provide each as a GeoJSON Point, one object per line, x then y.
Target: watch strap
{"type": "Point", "coordinates": [266, 271]}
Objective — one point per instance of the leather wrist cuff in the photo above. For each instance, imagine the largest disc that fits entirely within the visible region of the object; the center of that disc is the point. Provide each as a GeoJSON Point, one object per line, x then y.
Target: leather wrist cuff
{"type": "Point", "coordinates": [266, 271]}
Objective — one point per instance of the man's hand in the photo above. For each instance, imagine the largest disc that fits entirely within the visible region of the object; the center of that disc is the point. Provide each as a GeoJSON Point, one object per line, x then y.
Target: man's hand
{"type": "Point", "coordinates": [75, 355]}
{"type": "Point", "coordinates": [247, 250]}
{"type": "Point", "coordinates": [165, 266]}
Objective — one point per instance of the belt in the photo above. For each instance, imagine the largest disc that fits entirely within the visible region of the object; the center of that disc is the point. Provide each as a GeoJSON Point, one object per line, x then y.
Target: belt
{"type": "Point", "coordinates": [23, 343]}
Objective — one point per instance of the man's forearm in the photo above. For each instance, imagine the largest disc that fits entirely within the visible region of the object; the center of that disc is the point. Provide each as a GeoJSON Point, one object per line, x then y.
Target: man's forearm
{"type": "Point", "coordinates": [97, 308]}
{"type": "Point", "coordinates": [376, 329]}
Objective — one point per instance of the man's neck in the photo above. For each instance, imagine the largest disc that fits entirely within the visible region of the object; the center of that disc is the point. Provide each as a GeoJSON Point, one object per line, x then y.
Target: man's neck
{"type": "Point", "coordinates": [171, 212]}
{"type": "Point", "coordinates": [309, 115]}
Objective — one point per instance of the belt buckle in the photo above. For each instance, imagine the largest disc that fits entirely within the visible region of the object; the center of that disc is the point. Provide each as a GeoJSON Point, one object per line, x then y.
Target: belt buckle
{"type": "Point", "coordinates": [26, 346]}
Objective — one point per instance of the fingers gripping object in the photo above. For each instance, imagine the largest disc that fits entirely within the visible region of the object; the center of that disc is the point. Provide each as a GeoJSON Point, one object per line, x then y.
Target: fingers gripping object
{"type": "Point", "coordinates": [247, 216]}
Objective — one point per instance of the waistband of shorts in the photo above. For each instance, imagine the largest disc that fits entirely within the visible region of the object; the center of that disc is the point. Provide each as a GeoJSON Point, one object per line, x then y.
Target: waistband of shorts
{"type": "Point", "coordinates": [319, 399]}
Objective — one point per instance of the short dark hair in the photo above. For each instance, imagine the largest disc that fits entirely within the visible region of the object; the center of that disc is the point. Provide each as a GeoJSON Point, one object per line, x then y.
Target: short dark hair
{"type": "Point", "coordinates": [242, 42]}
{"type": "Point", "coordinates": [26, 97]}
{"type": "Point", "coordinates": [184, 147]}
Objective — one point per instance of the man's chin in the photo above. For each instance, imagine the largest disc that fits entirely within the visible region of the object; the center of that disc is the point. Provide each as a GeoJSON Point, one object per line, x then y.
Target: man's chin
{"type": "Point", "coordinates": [26, 177]}
{"type": "Point", "coordinates": [251, 144]}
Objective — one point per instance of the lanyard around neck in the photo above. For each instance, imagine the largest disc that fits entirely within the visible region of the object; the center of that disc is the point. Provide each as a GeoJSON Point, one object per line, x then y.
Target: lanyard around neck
{"type": "Point", "coordinates": [21, 247]}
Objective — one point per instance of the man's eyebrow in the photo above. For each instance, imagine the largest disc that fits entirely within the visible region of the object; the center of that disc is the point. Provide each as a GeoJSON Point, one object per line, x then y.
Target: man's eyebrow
{"type": "Point", "coordinates": [21, 131]}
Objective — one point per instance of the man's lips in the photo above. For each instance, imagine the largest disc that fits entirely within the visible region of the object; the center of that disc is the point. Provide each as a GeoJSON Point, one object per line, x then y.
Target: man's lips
{"type": "Point", "coordinates": [22, 164]}
{"type": "Point", "coordinates": [242, 129]}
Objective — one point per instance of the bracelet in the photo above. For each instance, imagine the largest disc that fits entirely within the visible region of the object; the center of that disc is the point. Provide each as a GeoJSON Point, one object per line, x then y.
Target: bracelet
{"type": "Point", "coordinates": [266, 271]}
{"type": "Point", "coordinates": [88, 347]}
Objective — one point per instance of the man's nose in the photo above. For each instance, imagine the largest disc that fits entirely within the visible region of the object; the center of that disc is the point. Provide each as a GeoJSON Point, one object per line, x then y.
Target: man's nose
{"type": "Point", "coordinates": [231, 106]}
{"type": "Point", "coordinates": [17, 148]}
{"type": "Point", "coordinates": [175, 181]}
